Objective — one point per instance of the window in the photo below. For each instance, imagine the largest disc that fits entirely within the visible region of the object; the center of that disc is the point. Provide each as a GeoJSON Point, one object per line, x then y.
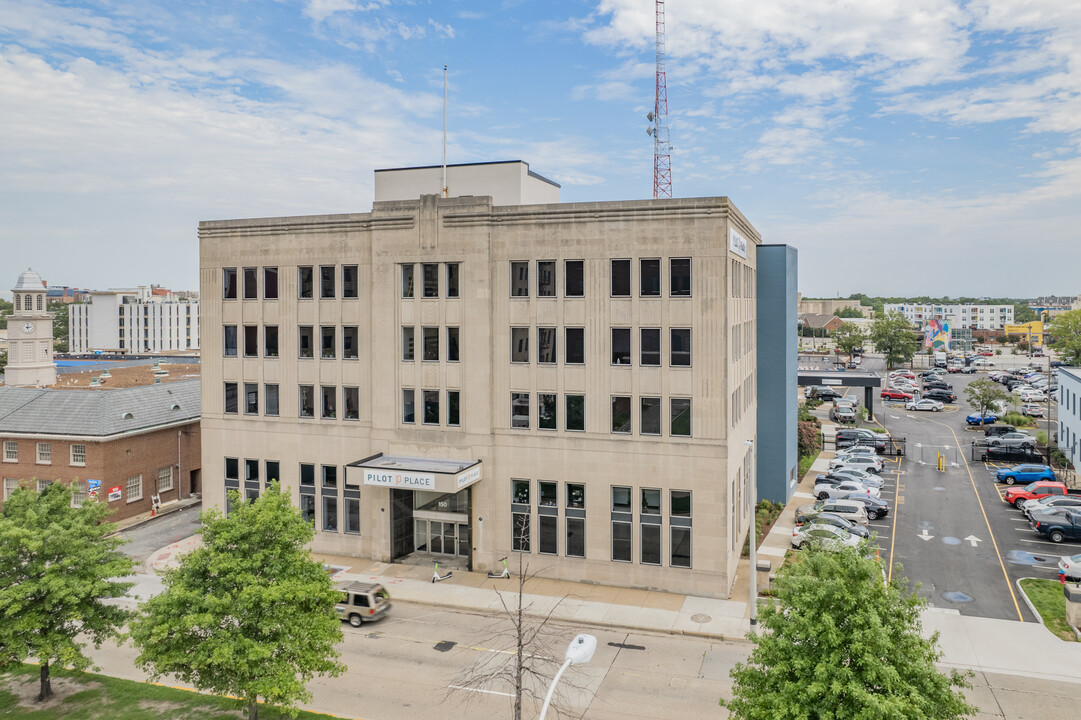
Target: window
{"type": "Point", "coordinates": [307, 401]}
{"type": "Point", "coordinates": [575, 351]}
{"type": "Point", "coordinates": [576, 537]}
{"type": "Point", "coordinates": [431, 407]}
{"type": "Point", "coordinates": [352, 516]}
{"type": "Point", "coordinates": [519, 344]}
{"type": "Point", "coordinates": [546, 411]}
{"type": "Point", "coordinates": [452, 344]}
{"type": "Point", "coordinates": [305, 282]}
{"type": "Point", "coordinates": [307, 508]}
{"type": "Point", "coordinates": [519, 279]}
{"type": "Point", "coordinates": [621, 414]}
{"type": "Point", "coordinates": [10, 485]}
{"type": "Point", "coordinates": [251, 283]}
{"type": "Point", "coordinates": [326, 281]}
{"type": "Point", "coordinates": [78, 493]}
{"type": "Point", "coordinates": [407, 344]}
{"type": "Point", "coordinates": [228, 284]}
{"type": "Point", "coordinates": [351, 400]}
{"type": "Point", "coordinates": [621, 541]}
{"type": "Point", "coordinates": [621, 346]}
{"type": "Point", "coordinates": [621, 278]}
{"type": "Point", "coordinates": [350, 281]}
{"type": "Point", "coordinates": [576, 412]}
{"type": "Point", "coordinates": [45, 453]}
{"type": "Point", "coordinates": [330, 402]}
{"type": "Point", "coordinates": [78, 454]}
{"type": "Point", "coordinates": [231, 400]}
{"type": "Point", "coordinates": [134, 487]}
{"type": "Point", "coordinates": [679, 511]}
{"type": "Point", "coordinates": [408, 407]}
{"type": "Point", "coordinates": [546, 278]}
{"type": "Point", "coordinates": [306, 344]}
{"type": "Point", "coordinates": [230, 341]}
{"type": "Point", "coordinates": [548, 494]}
{"type": "Point", "coordinates": [270, 393]}
{"type": "Point", "coordinates": [251, 398]}
{"type": "Point", "coordinates": [680, 422]}
{"type": "Point", "coordinates": [454, 399]}
{"type": "Point", "coordinates": [270, 283]}
{"type": "Point", "coordinates": [307, 474]}
{"type": "Point", "coordinates": [519, 410]}
{"type": "Point", "coordinates": [651, 416]}
{"type": "Point", "coordinates": [679, 277]}
{"type": "Point", "coordinates": [681, 347]}
{"type": "Point", "coordinates": [165, 479]}
{"type": "Point", "coordinates": [407, 281]}
{"type": "Point", "coordinates": [232, 469]}
{"type": "Point", "coordinates": [452, 280]}
{"type": "Point", "coordinates": [251, 341]}
{"type": "Point", "coordinates": [272, 471]}
{"type": "Point", "coordinates": [547, 534]}
{"type": "Point", "coordinates": [650, 277]}
{"type": "Point", "coordinates": [651, 346]}
{"type": "Point", "coordinates": [521, 530]}
{"type": "Point", "coordinates": [574, 278]}
{"type": "Point", "coordinates": [328, 344]}
{"type": "Point", "coordinates": [11, 451]}
{"type": "Point", "coordinates": [42, 482]}
{"type": "Point", "coordinates": [431, 344]}
{"type": "Point", "coordinates": [270, 341]}
{"type": "Point", "coordinates": [430, 277]}
{"type": "Point", "coordinates": [330, 476]}
{"type": "Point", "coordinates": [651, 543]}
{"type": "Point", "coordinates": [350, 342]}
{"type": "Point", "coordinates": [546, 345]}
{"type": "Point", "coordinates": [330, 513]}
{"type": "Point", "coordinates": [681, 547]}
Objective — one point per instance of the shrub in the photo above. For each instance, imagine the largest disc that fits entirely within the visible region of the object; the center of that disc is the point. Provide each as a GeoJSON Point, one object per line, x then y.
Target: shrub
{"type": "Point", "coordinates": [1017, 419]}
{"type": "Point", "coordinates": [808, 436]}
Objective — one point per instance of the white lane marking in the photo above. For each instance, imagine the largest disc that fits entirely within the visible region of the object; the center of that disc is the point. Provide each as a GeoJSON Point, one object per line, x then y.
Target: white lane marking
{"type": "Point", "coordinates": [924, 535]}
{"type": "Point", "coordinates": [489, 692]}
{"type": "Point", "coordinates": [973, 540]}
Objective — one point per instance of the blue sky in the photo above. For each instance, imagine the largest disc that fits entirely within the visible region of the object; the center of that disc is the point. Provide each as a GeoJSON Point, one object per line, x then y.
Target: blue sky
{"type": "Point", "coordinates": [906, 147]}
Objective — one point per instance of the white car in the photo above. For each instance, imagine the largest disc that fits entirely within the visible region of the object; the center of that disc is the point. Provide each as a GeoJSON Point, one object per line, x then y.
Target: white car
{"type": "Point", "coordinates": [932, 405]}
{"type": "Point", "coordinates": [1035, 397]}
{"type": "Point", "coordinates": [848, 509]}
{"type": "Point", "coordinates": [1071, 565]}
{"type": "Point", "coordinates": [824, 490]}
{"type": "Point", "coordinates": [868, 464]}
{"type": "Point", "coordinates": [1018, 389]}
{"type": "Point", "coordinates": [1051, 501]}
{"type": "Point", "coordinates": [864, 478]}
{"type": "Point", "coordinates": [829, 537]}
{"type": "Point", "coordinates": [982, 362]}
{"type": "Point", "coordinates": [855, 450]}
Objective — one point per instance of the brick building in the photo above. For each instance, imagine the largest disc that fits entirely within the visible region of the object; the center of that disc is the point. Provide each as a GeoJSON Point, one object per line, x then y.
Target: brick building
{"type": "Point", "coordinates": [134, 443]}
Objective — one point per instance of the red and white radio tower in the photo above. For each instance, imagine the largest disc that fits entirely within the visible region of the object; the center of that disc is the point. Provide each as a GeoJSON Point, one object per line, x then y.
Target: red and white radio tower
{"type": "Point", "coordinates": [662, 150]}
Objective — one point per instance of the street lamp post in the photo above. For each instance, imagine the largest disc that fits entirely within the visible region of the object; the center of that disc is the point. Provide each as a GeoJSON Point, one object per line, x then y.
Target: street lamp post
{"type": "Point", "coordinates": [579, 651]}
{"type": "Point", "coordinates": [752, 493]}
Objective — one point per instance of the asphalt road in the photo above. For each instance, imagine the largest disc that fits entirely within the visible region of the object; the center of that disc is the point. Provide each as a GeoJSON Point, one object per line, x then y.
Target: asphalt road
{"type": "Point", "coordinates": [144, 540]}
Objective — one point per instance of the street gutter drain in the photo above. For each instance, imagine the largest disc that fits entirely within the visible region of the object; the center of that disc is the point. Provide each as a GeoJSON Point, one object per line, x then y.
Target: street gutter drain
{"type": "Point", "coordinates": [444, 645]}
{"type": "Point", "coordinates": [701, 618]}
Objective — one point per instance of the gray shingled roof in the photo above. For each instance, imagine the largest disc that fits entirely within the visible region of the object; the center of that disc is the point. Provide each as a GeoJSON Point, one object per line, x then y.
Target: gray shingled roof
{"type": "Point", "coordinates": [97, 412]}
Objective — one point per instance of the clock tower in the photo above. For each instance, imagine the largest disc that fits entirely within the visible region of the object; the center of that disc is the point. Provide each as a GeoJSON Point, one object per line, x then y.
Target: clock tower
{"type": "Point", "coordinates": [30, 336]}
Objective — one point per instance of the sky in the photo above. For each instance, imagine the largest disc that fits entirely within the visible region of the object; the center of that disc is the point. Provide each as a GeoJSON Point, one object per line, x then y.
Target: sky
{"type": "Point", "coordinates": [905, 147]}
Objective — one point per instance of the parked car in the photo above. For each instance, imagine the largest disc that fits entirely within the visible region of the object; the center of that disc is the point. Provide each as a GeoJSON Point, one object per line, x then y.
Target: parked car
{"type": "Point", "coordinates": [896, 394]}
{"type": "Point", "coordinates": [825, 393]}
{"type": "Point", "coordinates": [1051, 501]}
{"type": "Point", "coordinates": [1071, 566]}
{"type": "Point", "coordinates": [842, 414]}
{"type": "Point", "coordinates": [867, 464]}
{"type": "Point", "coordinates": [981, 362]}
{"type": "Point", "coordinates": [999, 430]}
{"type": "Point", "coordinates": [826, 518]}
{"type": "Point", "coordinates": [903, 374]}
{"type": "Point", "coordinates": [1026, 473]}
{"type": "Point", "coordinates": [828, 537]}
{"type": "Point", "coordinates": [930, 374]}
{"type": "Point", "coordinates": [981, 418]}
{"type": "Point", "coordinates": [937, 385]}
{"type": "Point", "coordinates": [829, 489]}
{"type": "Point", "coordinates": [925, 404]}
{"type": "Point", "coordinates": [847, 437]}
{"type": "Point", "coordinates": [1011, 454]}
{"type": "Point", "coordinates": [1017, 496]}
{"type": "Point", "coordinates": [1032, 410]}
{"type": "Point", "coordinates": [861, 476]}
{"type": "Point", "coordinates": [874, 507]}
{"type": "Point", "coordinates": [1033, 396]}
{"type": "Point", "coordinates": [1056, 527]}
{"type": "Point", "coordinates": [1012, 439]}
{"type": "Point", "coordinates": [849, 509]}
{"type": "Point", "coordinates": [968, 370]}
{"type": "Point", "coordinates": [855, 450]}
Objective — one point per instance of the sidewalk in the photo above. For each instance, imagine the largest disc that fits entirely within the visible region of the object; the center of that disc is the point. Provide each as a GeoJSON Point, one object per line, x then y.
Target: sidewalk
{"type": "Point", "coordinates": [143, 518]}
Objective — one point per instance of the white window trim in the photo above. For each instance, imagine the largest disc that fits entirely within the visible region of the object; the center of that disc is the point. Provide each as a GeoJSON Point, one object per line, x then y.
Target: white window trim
{"type": "Point", "coordinates": [71, 452]}
{"type": "Point", "coordinates": [165, 488]}
{"type": "Point", "coordinates": [127, 488]}
{"type": "Point", "coordinates": [15, 446]}
{"type": "Point", "coordinates": [38, 447]}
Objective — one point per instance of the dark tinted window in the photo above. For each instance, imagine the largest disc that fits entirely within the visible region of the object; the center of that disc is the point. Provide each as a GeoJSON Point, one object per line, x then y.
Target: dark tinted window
{"type": "Point", "coordinates": [651, 416]}
{"type": "Point", "coordinates": [681, 347]}
{"type": "Point", "coordinates": [574, 279]}
{"type": "Point", "coordinates": [230, 341]}
{"type": "Point", "coordinates": [430, 273]}
{"type": "Point", "coordinates": [621, 278]}
{"type": "Point", "coordinates": [576, 412]}
{"type": "Point", "coordinates": [228, 282]}
{"type": "Point", "coordinates": [326, 281]}
{"type": "Point", "coordinates": [621, 414]}
{"type": "Point", "coordinates": [679, 277]}
{"type": "Point", "coordinates": [270, 340]}
{"type": "Point", "coordinates": [546, 345]}
{"type": "Point", "coordinates": [546, 278]}
{"type": "Point", "coordinates": [350, 281]}
{"type": "Point", "coordinates": [575, 350]}
{"type": "Point", "coordinates": [251, 283]}
{"type": "Point", "coordinates": [270, 283]}
{"type": "Point", "coordinates": [452, 344]}
{"type": "Point", "coordinates": [407, 281]}
{"type": "Point", "coordinates": [651, 346]}
{"type": "Point", "coordinates": [251, 341]}
{"type": "Point", "coordinates": [546, 412]}
{"type": "Point", "coordinates": [519, 345]}
{"type": "Point", "coordinates": [231, 397]}
{"type": "Point", "coordinates": [452, 280]}
{"type": "Point", "coordinates": [621, 346]}
{"type": "Point", "coordinates": [519, 279]}
{"type": "Point", "coordinates": [650, 277]}
{"type": "Point", "coordinates": [305, 282]}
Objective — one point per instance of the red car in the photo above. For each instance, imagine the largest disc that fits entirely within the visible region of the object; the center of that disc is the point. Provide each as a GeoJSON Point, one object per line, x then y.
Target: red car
{"type": "Point", "coordinates": [894, 394]}
{"type": "Point", "coordinates": [987, 353]}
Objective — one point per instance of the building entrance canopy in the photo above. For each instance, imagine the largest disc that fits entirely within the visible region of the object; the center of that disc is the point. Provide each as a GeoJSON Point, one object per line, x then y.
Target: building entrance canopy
{"type": "Point", "coordinates": [413, 473]}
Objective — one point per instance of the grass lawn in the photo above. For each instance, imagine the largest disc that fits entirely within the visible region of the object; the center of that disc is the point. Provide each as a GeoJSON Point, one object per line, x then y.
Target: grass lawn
{"type": "Point", "coordinates": [1047, 596]}
{"type": "Point", "coordinates": [87, 696]}
{"type": "Point", "coordinates": [805, 463]}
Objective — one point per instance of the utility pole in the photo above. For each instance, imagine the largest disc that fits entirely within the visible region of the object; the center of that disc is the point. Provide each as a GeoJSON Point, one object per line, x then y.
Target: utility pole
{"type": "Point", "coordinates": [662, 149]}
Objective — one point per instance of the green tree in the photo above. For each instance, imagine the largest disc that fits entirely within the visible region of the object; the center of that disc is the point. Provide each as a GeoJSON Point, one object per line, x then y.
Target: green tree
{"type": "Point", "coordinates": [58, 566]}
{"type": "Point", "coordinates": [6, 308]}
{"type": "Point", "coordinates": [849, 312]}
{"type": "Point", "coordinates": [1065, 331]}
{"type": "Point", "coordinates": [985, 395]}
{"type": "Point", "coordinates": [841, 643]}
{"type": "Point", "coordinates": [1022, 313]}
{"type": "Point", "coordinates": [848, 338]}
{"type": "Point", "coordinates": [892, 335]}
{"type": "Point", "coordinates": [60, 326]}
{"type": "Point", "coordinates": [250, 614]}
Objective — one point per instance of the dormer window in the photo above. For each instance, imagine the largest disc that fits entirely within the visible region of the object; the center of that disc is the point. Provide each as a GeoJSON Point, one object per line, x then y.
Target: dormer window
{"type": "Point", "coordinates": [127, 416]}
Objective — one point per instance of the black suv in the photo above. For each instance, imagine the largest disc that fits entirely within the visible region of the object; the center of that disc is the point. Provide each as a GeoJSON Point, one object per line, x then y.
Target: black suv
{"type": "Point", "coordinates": [998, 430]}
{"type": "Point", "coordinates": [937, 385]}
{"type": "Point", "coordinates": [847, 437]}
{"type": "Point", "coordinates": [825, 393]}
{"type": "Point", "coordinates": [1012, 454]}
{"type": "Point", "coordinates": [941, 395]}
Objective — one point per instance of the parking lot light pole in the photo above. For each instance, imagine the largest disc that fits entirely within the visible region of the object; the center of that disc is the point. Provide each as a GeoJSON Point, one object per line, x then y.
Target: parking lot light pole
{"type": "Point", "coordinates": [752, 497]}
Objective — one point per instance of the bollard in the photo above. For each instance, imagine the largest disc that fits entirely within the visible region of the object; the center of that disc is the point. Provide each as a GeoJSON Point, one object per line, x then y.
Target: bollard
{"type": "Point", "coordinates": [763, 568]}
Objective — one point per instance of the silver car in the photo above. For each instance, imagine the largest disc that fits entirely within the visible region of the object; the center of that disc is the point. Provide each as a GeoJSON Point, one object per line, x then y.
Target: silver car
{"type": "Point", "coordinates": [1014, 439]}
{"type": "Point", "coordinates": [829, 537]}
{"type": "Point", "coordinates": [925, 404]}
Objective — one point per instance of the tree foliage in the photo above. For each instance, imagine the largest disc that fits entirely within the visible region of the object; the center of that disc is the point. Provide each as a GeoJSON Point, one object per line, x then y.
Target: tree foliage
{"type": "Point", "coordinates": [250, 614]}
{"type": "Point", "coordinates": [60, 326]}
{"type": "Point", "coordinates": [985, 395]}
{"type": "Point", "coordinates": [849, 312]}
{"type": "Point", "coordinates": [57, 568]}
{"type": "Point", "coordinates": [848, 338]}
{"type": "Point", "coordinates": [6, 308]}
{"type": "Point", "coordinates": [840, 643]}
{"type": "Point", "coordinates": [891, 334]}
{"type": "Point", "coordinates": [1066, 333]}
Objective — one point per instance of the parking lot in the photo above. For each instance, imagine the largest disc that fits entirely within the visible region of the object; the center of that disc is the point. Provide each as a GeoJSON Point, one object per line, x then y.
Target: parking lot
{"type": "Point", "coordinates": [950, 529]}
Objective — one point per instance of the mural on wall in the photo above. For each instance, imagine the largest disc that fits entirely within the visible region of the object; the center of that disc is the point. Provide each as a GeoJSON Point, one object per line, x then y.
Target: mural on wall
{"type": "Point", "coordinates": [936, 335]}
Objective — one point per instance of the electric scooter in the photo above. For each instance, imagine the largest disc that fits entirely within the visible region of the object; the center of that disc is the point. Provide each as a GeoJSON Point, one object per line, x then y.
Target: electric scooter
{"type": "Point", "coordinates": [504, 574]}
{"type": "Point", "coordinates": [436, 577]}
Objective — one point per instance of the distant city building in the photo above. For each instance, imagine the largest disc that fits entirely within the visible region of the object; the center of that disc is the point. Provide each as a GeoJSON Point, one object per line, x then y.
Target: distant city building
{"type": "Point", "coordinates": [1030, 332]}
{"type": "Point", "coordinates": [831, 307]}
{"type": "Point", "coordinates": [975, 317]}
{"type": "Point", "coordinates": [826, 323]}
{"type": "Point", "coordinates": [65, 294]}
{"type": "Point", "coordinates": [1069, 413]}
{"type": "Point", "coordinates": [30, 335]}
{"type": "Point", "coordinates": [144, 320]}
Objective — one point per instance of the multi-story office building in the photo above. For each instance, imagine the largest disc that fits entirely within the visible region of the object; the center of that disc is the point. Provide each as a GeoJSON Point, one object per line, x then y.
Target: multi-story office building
{"type": "Point", "coordinates": [1069, 413]}
{"type": "Point", "coordinates": [144, 320]}
{"type": "Point", "coordinates": [975, 317]}
{"type": "Point", "coordinates": [459, 379]}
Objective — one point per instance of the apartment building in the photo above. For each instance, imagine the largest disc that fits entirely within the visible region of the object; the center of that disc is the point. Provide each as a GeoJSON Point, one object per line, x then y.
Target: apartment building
{"type": "Point", "coordinates": [975, 317]}
{"type": "Point", "coordinates": [142, 320]}
{"type": "Point", "coordinates": [1069, 413]}
{"type": "Point", "coordinates": [451, 379]}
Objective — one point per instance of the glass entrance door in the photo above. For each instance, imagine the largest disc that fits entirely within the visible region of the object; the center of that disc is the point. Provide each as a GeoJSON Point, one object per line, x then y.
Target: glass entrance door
{"type": "Point", "coordinates": [440, 537]}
